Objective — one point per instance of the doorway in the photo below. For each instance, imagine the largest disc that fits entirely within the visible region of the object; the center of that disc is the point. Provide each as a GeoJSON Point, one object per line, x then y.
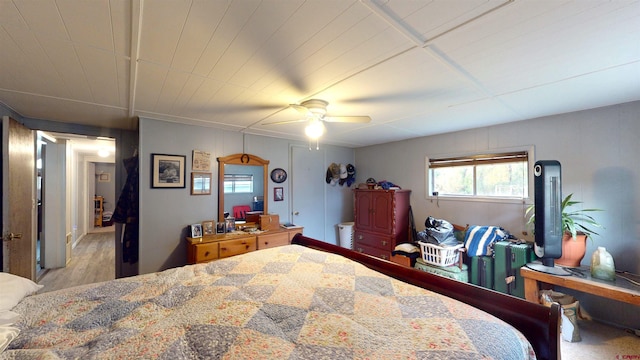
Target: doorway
{"type": "Point", "coordinates": [72, 169]}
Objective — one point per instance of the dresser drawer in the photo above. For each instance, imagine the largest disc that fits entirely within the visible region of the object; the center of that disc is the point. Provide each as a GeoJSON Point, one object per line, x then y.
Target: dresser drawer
{"type": "Point", "coordinates": [382, 242]}
{"type": "Point", "coordinates": [237, 246]}
{"type": "Point", "coordinates": [205, 252]}
{"type": "Point", "coordinates": [383, 254]}
{"type": "Point", "coordinates": [266, 241]}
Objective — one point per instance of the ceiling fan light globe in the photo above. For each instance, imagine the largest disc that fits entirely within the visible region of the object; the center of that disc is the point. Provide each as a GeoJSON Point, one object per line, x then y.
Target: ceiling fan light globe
{"type": "Point", "coordinates": [315, 129]}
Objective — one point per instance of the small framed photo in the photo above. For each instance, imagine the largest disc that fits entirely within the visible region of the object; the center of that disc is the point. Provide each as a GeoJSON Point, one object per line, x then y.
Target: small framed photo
{"type": "Point", "coordinates": [104, 177]}
{"type": "Point", "coordinates": [278, 194]}
{"type": "Point", "coordinates": [167, 171]}
{"type": "Point", "coordinates": [208, 228]}
{"type": "Point", "coordinates": [200, 183]}
{"type": "Point", "coordinates": [196, 230]}
{"type": "Point", "coordinates": [221, 227]}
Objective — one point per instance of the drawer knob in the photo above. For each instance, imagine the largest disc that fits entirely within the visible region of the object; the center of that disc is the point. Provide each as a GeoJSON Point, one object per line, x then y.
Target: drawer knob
{"type": "Point", "coordinates": [384, 242]}
{"type": "Point", "coordinates": [223, 249]}
{"type": "Point", "coordinates": [206, 254]}
{"type": "Point", "coordinates": [360, 237]}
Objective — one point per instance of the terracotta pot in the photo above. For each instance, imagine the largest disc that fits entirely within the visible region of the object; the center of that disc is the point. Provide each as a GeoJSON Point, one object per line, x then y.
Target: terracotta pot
{"type": "Point", "coordinates": [573, 250]}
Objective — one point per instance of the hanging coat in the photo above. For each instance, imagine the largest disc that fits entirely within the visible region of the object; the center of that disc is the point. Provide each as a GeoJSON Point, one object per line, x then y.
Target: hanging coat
{"type": "Point", "coordinates": [126, 211]}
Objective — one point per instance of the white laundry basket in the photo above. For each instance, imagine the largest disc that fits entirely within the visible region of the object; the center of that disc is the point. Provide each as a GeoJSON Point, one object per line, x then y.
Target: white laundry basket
{"type": "Point", "coordinates": [346, 234]}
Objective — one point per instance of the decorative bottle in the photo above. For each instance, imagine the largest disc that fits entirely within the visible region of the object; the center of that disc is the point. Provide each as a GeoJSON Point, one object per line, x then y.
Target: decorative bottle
{"type": "Point", "coordinates": [602, 266]}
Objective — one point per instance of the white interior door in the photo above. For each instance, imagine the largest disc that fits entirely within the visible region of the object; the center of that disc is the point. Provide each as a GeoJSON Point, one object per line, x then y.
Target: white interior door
{"type": "Point", "coordinates": [307, 190]}
{"type": "Point", "coordinates": [54, 236]}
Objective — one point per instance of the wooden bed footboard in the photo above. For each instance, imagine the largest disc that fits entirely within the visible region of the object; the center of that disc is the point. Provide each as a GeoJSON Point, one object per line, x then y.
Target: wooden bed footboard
{"type": "Point", "coordinates": [539, 324]}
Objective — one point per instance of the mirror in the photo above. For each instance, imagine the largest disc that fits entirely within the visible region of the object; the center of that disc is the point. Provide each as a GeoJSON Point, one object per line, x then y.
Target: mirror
{"type": "Point", "coordinates": [240, 168]}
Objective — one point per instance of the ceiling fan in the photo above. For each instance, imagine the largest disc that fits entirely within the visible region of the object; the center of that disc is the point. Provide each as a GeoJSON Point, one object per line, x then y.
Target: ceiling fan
{"type": "Point", "coordinates": [315, 112]}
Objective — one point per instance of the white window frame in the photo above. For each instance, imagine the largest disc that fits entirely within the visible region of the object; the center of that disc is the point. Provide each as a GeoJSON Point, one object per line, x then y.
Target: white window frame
{"type": "Point", "coordinates": [236, 178]}
{"type": "Point", "coordinates": [530, 160]}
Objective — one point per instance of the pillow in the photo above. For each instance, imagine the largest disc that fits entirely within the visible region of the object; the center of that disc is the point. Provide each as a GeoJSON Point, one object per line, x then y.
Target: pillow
{"type": "Point", "coordinates": [15, 288]}
{"type": "Point", "coordinates": [8, 317]}
{"type": "Point", "coordinates": [7, 334]}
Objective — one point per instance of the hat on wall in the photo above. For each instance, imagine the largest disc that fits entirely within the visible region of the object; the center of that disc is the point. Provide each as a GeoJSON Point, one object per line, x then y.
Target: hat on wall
{"type": "Point", "coordinates": [351, 174]}
{"type": "Point", "coordinates": [335, 173]}
{"type": "Point", "coordinates": [343, 171]}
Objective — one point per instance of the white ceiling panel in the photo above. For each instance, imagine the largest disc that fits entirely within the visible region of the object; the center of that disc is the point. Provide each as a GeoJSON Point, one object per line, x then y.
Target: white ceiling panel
{"type": "Point", "coordinates": [201, 22]}
{"type": "Point", "coordinates": [66, 64]}
{"type": "Point", "coordinates": [416, 67]}
{"type": "Point", "coordinates": [101, 72]}
{"type": "Point", "coordinates": [88, 23]}
{"type": "Point", "coordinates": [613, 85]}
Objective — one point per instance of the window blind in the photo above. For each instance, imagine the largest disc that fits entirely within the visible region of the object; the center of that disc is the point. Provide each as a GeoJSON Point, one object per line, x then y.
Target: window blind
{"type": "Point", "coordinates": [478, 159]}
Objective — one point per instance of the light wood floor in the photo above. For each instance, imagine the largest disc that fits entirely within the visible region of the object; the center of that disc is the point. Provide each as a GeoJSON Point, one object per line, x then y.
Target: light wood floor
{"type": "Point", "coordinates": [92, 260]}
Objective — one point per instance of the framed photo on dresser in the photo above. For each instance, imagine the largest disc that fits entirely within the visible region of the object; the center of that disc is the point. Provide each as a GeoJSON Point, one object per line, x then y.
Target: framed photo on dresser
{"type": "Point", "coordinates": [196, 230]}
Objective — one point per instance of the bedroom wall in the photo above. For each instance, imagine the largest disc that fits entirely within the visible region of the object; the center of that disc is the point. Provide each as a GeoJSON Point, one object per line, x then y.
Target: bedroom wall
{"type": "Point", "coordinates": [598, 151]}
{"type": "Point", "coordinates": [166, 213]}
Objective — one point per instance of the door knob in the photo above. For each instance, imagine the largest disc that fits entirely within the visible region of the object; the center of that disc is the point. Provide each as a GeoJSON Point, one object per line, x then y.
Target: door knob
{"type": "Point", "coordinates": [296, 213]}
{"type": "Point", "coordinates": [12, 236]}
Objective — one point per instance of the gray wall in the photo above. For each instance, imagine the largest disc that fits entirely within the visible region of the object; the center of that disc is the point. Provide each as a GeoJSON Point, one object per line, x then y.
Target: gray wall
{"type": "Point", "coordinates": [598, 150]}
{"type": "Point", "coordinates": [165, 213]}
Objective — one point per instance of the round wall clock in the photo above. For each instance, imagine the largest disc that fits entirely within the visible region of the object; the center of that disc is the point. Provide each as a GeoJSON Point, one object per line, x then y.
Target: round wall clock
{"type": "Point", "coordinates": [278, 175]}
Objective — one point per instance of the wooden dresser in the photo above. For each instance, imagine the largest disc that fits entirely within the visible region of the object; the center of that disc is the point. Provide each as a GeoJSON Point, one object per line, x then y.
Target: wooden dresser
{"type": "Point", "coordinates": [381, 221]}
{"type": "Point", "coordinates": [212, 247]}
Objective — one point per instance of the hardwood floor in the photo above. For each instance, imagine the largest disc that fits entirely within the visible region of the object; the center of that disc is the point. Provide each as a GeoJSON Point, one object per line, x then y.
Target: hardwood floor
{"type": "Point", "coordinates": [93, 260]}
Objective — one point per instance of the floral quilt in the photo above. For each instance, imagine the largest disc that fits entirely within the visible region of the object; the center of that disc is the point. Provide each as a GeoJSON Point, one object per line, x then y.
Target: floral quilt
{"type": "Point", "coordinates": [289, 302]}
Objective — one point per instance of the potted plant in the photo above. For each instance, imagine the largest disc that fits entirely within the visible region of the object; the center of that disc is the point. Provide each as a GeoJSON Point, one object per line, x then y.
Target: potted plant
{"type": "Point", "coordinates": [578, 225]}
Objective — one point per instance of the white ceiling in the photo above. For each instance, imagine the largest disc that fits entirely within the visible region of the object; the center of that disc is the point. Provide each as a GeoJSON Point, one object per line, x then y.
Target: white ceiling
{"type": "Point", "coordinates": [416, 67]}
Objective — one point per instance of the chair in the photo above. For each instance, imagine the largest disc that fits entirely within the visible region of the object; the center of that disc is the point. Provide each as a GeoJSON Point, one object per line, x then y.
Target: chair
{"type": "Point", "coordinates": [240, 211]}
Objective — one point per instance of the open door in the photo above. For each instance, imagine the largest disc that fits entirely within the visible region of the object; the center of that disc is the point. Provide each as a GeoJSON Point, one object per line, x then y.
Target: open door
{"type": "Point", "coordinates": [18, 199]}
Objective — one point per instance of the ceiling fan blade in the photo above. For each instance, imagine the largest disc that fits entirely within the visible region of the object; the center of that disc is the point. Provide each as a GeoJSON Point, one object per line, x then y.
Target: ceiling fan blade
{"type": "Point", "coordinates": [348, 119]}
{"type": "Point", "coordinates": [285, 122]}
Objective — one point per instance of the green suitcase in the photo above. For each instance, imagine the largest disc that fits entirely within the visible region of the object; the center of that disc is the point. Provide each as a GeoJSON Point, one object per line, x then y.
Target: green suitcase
{"type": "Point", "coordinates": [509, 257]}
{"type": "Point", "coordinates": [482, 271]}
{"type": "Point", "coordinates": [451, 272]}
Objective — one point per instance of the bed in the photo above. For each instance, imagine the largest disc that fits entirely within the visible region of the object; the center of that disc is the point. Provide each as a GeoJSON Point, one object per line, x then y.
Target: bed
{"type": "Point", "coordinates": [307, 300]}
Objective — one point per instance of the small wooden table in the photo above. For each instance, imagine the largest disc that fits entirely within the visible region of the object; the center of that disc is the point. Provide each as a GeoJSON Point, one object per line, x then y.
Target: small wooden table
{"type": "Point", "coordinates": [620, 290]}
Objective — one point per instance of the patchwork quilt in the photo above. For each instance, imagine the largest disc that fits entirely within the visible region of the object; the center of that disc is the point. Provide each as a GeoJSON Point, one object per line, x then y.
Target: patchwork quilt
{"type": "Point", "coordinates": [289, 302]}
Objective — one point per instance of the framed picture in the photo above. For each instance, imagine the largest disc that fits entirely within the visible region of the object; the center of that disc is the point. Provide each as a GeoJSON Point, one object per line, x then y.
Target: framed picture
{"type": "Point", "coordinates": [167, 171]}
{"type": "Point", "coordinates": [196, 230]}
{"type": "Point", "coordinates": [221, 227]}
{"type": "Point", "coordinates": [208, 228]}
{"type": "Point", "coordinates": [278, 194]}
{"type": "Point", "coordinates": [201, 161]}
{"type": "Point", "coordinates": [104, 177]}
{"type": "Point", "coordinates": [200, 183]}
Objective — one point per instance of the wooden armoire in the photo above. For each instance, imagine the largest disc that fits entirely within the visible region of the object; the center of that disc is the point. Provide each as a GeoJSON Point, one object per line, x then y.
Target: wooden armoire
{"type": "Point", "coordinates": [381, 221]}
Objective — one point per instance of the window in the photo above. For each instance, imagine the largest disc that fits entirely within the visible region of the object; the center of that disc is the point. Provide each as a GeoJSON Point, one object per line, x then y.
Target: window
{"type": "Point", "coordinates": [238, 183]}
{"type": "Point", "coordinates": [503, 175]}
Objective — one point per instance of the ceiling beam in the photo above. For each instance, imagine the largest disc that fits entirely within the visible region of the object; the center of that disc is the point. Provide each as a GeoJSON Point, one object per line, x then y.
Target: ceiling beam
{"type": "Point", "coordinates": [136, 26]}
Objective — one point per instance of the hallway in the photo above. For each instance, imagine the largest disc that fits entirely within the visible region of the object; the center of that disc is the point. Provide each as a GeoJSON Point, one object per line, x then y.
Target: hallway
{"type": "Point", "coordinates": [93, 261]}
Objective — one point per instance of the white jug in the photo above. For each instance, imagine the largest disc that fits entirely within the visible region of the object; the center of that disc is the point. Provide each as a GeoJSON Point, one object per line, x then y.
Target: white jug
{"type": "Point", "coordinates": [602, 266]}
